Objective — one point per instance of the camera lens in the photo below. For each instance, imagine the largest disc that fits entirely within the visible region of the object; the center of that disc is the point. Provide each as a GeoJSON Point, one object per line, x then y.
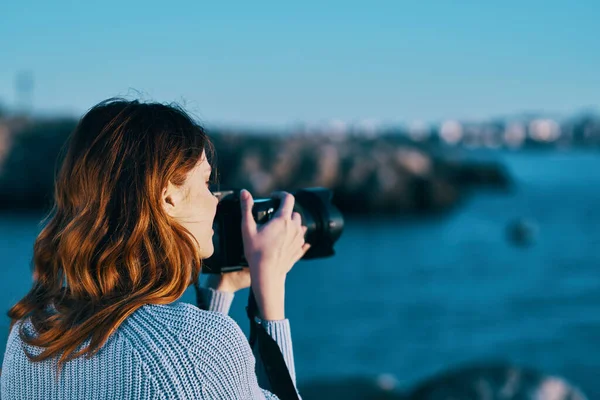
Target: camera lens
{"type": "Point", "coordinates": [323, 220]}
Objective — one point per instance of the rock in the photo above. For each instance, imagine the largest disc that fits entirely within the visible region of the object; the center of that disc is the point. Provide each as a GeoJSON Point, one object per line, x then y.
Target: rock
{"type": "Point", "coordinates": [522, 232]}
{"type": "Point", "coordinates": [27, 176]}
{"type": "Point", "coordinates": [495, 381]}
{"type": "Point", "coordinates": [472, 174]}
{"type": "Point", "coordinates": [481, 381]}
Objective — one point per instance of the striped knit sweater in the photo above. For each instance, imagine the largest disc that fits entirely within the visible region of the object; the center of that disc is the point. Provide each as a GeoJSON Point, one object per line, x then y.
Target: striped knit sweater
{"type": "Point", "coordinates": [173, 351]}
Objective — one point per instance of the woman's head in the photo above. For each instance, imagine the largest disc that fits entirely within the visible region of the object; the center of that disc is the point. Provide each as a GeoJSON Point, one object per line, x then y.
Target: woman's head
{"type": "Point", "coordinates": [131, 222]}
{"type": "Point", "coordinates": [193, 205]}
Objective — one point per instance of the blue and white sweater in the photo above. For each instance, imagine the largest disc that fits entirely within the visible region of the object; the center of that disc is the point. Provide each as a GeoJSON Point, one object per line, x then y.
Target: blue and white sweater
{"type": "Point", "coordinates": [173, 351]}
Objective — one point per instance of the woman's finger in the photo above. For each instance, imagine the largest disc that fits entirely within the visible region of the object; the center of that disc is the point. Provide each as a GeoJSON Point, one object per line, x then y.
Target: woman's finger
{"type": "Point", "coordinates": [297, 218]}
{"type": "Point", "coordinates": [305, 248]}
{"type": "Point", "coordinates": [246, 203]}
{"type": "Point", "coordinates": [298, 242]}
{"type": "Point", "coordinates": [287, 204]}
{"type": "Point", "coordinates": [299, 234]}
{"type": "Point", "coordinates": [301, 252]}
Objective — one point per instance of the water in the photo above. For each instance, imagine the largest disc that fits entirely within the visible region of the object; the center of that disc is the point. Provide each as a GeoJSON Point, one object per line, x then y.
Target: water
{"type": "Point", "coordinates": [413, 297]}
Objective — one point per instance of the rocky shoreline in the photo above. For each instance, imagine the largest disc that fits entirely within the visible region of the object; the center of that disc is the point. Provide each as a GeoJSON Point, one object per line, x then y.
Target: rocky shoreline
{"type": "Point", "coordinates": [369, 175]}
{"type": "Point", "coordinates": [475, 381]}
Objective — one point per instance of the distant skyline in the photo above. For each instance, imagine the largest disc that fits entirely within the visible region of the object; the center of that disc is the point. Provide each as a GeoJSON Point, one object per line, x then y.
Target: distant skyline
{"type": "Point", "coordinates": [274, 64]}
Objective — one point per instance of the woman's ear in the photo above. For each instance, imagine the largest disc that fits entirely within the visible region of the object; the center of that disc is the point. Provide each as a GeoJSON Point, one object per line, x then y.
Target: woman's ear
{"type": "Point", "coordinates": [171, 199]}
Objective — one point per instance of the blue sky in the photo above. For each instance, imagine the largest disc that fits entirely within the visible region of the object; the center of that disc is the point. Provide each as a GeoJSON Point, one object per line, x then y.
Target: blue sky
{"type": "Point", "coordinates": [270, 63]}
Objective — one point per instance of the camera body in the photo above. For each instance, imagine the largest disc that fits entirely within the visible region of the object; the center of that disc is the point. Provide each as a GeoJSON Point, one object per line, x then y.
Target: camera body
{"type": "Point", "coordinates": [324, 222]}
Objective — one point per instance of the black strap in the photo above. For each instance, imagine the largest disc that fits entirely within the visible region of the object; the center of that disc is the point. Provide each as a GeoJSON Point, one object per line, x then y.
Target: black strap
{"type": "Point", "coordinates": [200, 302]}
{"type": "Point", "coordinates": [270, 354]}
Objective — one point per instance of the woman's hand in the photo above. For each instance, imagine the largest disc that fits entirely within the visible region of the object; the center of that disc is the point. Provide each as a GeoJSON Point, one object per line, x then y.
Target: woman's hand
{"type": "Point", "coordinates": [272, 250]}
{"type": "Point", "coordinates": [229, 282]}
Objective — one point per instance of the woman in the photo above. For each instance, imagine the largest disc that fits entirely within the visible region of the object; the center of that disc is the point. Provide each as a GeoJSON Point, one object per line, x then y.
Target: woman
{"type": "Point", "coordinates": [131, 222]}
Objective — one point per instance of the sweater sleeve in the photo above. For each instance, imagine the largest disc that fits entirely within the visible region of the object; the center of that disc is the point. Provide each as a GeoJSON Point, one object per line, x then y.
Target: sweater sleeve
{"type": "Point", "coordinates": [280, 332]}
{"type": "Point", "coordinates": [214, 300]}
{"type": "Point", "coordinates": [223, 360]}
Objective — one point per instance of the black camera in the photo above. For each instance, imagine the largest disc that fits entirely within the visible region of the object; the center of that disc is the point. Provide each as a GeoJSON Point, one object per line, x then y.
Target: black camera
{"type": "Point", "coordinates": [323, 220]}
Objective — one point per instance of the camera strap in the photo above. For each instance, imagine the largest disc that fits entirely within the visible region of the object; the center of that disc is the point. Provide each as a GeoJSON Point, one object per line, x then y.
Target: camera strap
{"type": "Point", "coordinates": [270, 354]}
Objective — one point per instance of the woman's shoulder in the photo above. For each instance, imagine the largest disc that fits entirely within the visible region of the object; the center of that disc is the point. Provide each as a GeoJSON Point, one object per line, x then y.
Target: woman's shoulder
{"type": "Point", "coordinates": [185, 327]}
{"type": "Point", "coordinates": [179, 313]}
{"type": "Point", "coordinates": [182, 318]}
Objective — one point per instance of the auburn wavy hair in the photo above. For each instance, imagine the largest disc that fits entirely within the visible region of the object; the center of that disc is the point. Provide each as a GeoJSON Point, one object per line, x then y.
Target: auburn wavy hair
{"type": "Point", "coordinates": [108, 246]}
